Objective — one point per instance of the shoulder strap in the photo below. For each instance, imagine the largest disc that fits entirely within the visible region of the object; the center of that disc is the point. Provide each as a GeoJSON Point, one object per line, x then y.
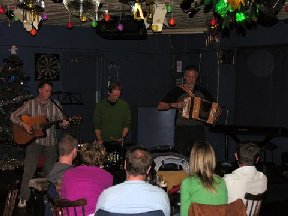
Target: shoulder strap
{"type": "Point", "coordinates": [187, 90]}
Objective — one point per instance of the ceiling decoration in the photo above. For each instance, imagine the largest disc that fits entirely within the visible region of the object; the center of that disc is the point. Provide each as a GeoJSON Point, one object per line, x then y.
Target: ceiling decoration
{"type": "Point", "coordinates": [189, 16]}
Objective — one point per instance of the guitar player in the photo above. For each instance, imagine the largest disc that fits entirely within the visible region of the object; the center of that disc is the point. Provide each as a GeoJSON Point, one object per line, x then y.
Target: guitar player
{"type": "Point", "coordinates": [41, 105]}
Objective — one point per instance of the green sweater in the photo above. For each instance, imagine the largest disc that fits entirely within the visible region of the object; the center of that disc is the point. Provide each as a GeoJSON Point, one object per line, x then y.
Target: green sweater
{"type": "Point", "coordinates": [111, 119]}
{"type": "Point", "coordinates": [192, 190]}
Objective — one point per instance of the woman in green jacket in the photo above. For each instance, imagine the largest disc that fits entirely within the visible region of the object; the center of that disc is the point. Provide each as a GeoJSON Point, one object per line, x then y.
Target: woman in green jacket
{"type": "Point", "coordinates": [202, 186]}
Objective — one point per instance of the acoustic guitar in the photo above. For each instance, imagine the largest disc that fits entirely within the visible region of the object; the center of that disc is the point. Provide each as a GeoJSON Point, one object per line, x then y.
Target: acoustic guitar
{"type": "Point", "coordinates": [39, 124]}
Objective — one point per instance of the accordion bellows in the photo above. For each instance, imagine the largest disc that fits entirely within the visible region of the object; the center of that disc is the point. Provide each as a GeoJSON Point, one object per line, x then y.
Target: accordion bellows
{"type": "Point", "coordinates": [200, 109]}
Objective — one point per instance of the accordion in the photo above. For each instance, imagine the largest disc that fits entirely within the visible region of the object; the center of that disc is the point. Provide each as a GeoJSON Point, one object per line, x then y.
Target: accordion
{"type": "Point", "coordinates": [200, 109]}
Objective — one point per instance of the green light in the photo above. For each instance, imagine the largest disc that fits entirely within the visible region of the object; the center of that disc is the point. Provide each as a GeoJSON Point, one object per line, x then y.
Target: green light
{"type": "Point", "coordinates": [240, 17]}
{"type": "Point", "coordinates": [221, 8]}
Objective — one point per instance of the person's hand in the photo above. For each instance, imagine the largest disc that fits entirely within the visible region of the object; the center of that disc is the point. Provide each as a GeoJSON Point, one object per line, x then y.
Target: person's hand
{"type": "Point", "coordinates": [100, 141]}
{"type": "Point", "coordinates": [28, 128]}
{"type": "Point", "coordinates": [180, 104]}
{"type": "Point", "coordinates": [65, 123]}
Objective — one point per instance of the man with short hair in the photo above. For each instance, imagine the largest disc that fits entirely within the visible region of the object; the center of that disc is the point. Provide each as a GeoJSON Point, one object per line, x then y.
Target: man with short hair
{"type": "Point", "coordinates": [135, 195]}
{"type": "Point", "coordinates": [187, 132]}
{"type": "Point", "coordinates": [245, 179]}
{"type": "Point", "coordinates": [67, 153]}
{"type": "Point", "coordinates": [42, 105]}
{"type": "Point", "coordinates": [112, 117]}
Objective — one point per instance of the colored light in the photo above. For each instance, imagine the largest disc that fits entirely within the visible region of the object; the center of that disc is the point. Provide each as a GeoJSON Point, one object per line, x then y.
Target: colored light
{"type": "Point", "coordinates": [240, 17]}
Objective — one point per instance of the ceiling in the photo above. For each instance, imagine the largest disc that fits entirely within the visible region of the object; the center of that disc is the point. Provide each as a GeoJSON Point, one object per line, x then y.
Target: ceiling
{"type": "Point", "coordinates": [58, 15]}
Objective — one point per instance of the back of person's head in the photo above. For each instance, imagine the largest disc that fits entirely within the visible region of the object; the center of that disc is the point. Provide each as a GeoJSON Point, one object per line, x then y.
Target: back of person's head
{"type": "Point", "coordinates": [114, 86]}
{"type": "Point", "coordinates": [203, 163]}
{"type": "Point", "coordinates": [248, 153]}
{"type": "Point", "coordinates": [93, 154]}
{"type": "Point", "coordinates": [138, 161]}
{"type": "Point", "coordinates": [66, 144]}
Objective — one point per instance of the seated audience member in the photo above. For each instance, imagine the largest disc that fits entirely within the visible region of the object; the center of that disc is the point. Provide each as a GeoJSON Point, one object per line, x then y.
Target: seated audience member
{"type": "Point", "coordinates": [67, 152]}
{"type": "Point", "coordinates": [246, 178]}
{"type": "Point", "coordinates": [202, 186]}
{"type": "Point", "coordinates": [135, 195]}
{"type": "Point", "coordinates": [87, 181]}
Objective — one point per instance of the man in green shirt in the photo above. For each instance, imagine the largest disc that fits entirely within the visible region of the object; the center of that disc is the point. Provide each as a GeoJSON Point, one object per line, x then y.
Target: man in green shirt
{"type": "Point", "coordinates": [112, 117]}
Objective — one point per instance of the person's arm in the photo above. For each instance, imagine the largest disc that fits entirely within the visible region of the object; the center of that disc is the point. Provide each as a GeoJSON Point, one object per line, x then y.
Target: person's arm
{"type": "Point", "coordinates": [166, 106]}
{"type": "Point", "coordinates": [97, 125]}
{"type": "Point", "coordinates": [15, 117]}
{"type": "Point", "coordinates": [184, 199]}
{"type": "Point", "coordinates": [99, 139]}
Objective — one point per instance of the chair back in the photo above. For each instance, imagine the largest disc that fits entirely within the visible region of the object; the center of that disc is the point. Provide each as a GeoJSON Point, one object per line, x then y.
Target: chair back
{"type": "Point", "coordinates": [10, 200]}
{"type": "Point", "coordinates": [253, 203]}
{"type": "Point", "coordinates": [101, 212]}
{"type": "Point", "coordinates": [60, 206]}
{"type": "Point", "coordinates": [235, 208]}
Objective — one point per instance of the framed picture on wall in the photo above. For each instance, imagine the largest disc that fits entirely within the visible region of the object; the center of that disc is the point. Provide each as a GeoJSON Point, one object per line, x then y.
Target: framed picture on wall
{"type": "Point", "coordinates": [47, 67]}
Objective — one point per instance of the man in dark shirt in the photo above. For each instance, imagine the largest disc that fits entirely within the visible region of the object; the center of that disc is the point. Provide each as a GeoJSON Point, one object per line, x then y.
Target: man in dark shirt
{"type": "Point", "coordinates": [187, 132]}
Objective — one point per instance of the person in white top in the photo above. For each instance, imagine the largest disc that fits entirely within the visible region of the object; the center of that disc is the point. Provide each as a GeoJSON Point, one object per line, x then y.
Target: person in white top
{"type": "Point", "coordinates": [135, 195]}
{"type": "Point", "coordinates": [246, 178]}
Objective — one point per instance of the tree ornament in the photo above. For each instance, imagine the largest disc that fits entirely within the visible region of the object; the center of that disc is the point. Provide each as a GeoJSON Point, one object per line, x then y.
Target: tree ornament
{"type": "Point", "coordinates": [69, 25]}
{"type": "Point", "coordinates": [120, 27]}
{"type": "Point", "coordinates": [33, 31]}
{"type": "Point", "coordinates": [172, 22]}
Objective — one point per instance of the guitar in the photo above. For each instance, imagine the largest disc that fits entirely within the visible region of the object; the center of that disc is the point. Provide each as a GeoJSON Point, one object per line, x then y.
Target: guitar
{"type": "Point", "coordinates": [39, 124]}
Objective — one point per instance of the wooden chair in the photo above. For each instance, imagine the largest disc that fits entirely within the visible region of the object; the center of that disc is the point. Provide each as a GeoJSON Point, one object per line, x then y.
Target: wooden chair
{"type": "Point", "coordinates": [235, 208]}
{"type": "Point", "coordinates": [253, 203]}
{"type": "Point", "coordinates": [10, 200]}
{"type": "Point", "coordinates": [59, 206]}
{"type": "Point", "coordinates": [101, 212]}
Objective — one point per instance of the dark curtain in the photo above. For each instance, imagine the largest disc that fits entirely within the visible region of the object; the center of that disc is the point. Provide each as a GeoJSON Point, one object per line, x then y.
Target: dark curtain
{"type": "Point", "coordinates": [262, 87]}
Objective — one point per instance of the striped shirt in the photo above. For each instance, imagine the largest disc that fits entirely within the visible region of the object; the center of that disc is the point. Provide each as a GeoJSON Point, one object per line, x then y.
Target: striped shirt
{"type": "Point", "coordinates": [35, 108]}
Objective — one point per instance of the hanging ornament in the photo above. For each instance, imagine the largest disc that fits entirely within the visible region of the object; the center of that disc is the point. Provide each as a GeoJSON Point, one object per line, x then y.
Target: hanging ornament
{"type": "Point", "coordinates": [83, 18]}
{"type": "Point", "coordinates": [2, 10]}
{"type": "Point", "coordinates": [16, 19]}
{"type": "Point", "coordinates": [33, 31]}
{"type": "Point", "coordinates": [137, 10]}
{"type": "Point", "coordinates": [286, 8]}
{"type": "Point", "coordinates": [107, 16]}
{"type": "Point", "coordinates": [213, 22]}
{"type": "Point", "coordinates": [10, 14]}
{"type": "Point", "coordinates": [69, 25]}
{"type": "Point", "coordinates": [155, 28]}
{"type": "Point", "coordinates": [44, 16]}
{"type": "Point", "coordinates": [172, 22]}
{"type": "Point", "coordinates": [94, 23]}
{"type": "Point", "coordinates": [120, 27]}
{"type": "Point", "coordinates": [169, 8]}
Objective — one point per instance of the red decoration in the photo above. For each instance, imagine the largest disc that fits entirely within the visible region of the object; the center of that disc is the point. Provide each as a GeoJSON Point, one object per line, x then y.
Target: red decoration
{"type": "Point", "coordinates": [107, 17]}
{"type": "Point", "coordinates": [70, 25]}
{"type": "Point", "coordinates": [172, 22]}
{"type": "Point", "coordinates": [2, 10]}
{"type": "Point", "coordinates": [213, 22]}
{"type": "Point", "coordinates": [33, 32]}
{"type": "Point", "coordinates": [286, 8]}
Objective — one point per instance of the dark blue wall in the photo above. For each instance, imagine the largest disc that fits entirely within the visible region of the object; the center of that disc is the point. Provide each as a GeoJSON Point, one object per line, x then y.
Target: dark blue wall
{"type": "Point", "coordinates": [147, 67]}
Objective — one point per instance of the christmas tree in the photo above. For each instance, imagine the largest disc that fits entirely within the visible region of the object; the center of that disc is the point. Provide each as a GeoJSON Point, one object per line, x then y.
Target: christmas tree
{"type": "Point", "coordinates": [13, 93]}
